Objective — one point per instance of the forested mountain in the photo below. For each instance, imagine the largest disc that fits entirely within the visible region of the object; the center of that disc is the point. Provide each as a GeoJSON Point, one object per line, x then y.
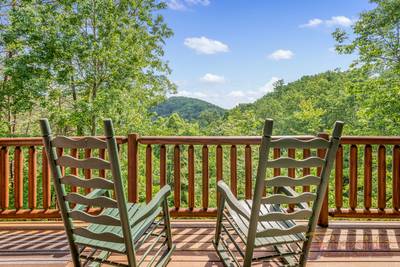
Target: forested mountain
{"type": "Point", "coordinates": [191, 109]}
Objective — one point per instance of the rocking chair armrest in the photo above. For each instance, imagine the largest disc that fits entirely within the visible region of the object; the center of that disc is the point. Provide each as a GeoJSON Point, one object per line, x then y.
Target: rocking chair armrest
{"type": "Point", "coordinates": [231, 199]}
{"type": "Point", "coordinates": [155, 203]}
{"type": "Point", "coordinates": [290, 192]}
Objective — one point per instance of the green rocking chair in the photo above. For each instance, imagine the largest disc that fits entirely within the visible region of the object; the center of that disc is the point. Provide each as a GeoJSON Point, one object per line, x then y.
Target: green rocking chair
{"type": "Point", "coordinates": [120, 227]}
{"type": "Point", "coordinates": [264, 227]}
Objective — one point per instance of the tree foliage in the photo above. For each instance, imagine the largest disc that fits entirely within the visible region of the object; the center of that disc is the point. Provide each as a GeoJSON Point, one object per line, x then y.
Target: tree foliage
{"type": "Point", "coordinates": [87, 59]}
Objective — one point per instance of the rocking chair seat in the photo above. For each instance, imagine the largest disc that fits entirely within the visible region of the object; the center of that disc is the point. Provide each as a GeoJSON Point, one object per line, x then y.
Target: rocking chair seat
{"type": "Point", "coordinates": [137, 230]}
{"type": "Point", "coordinates": [241, 223]}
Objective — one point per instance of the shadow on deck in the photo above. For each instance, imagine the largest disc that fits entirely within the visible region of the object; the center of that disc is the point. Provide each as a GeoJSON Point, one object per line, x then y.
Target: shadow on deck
{"type": "Point", "coordinates": [342, 244]}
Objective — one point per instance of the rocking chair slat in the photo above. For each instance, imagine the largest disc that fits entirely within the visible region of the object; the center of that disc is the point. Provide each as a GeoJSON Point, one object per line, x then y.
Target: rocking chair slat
{"type": "Point", "coordinates": [86, 142]}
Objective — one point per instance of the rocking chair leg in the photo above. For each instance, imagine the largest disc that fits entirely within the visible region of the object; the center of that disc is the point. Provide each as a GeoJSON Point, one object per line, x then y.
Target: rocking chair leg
{"type": "Point", "coordinates": [220, 213]}
{"type": "Point", "coordinates": [167, 224]}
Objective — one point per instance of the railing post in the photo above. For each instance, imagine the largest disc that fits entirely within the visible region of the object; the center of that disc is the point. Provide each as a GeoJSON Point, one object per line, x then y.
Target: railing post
{"type": "Point", "coordinates": [133, 167]}
{"type": "Point", "coordinates": [323, 220]}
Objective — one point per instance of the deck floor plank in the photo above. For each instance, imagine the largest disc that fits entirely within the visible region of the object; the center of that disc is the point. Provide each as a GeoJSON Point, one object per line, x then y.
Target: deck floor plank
{"type": "Point", "coordinates": [342, 244]}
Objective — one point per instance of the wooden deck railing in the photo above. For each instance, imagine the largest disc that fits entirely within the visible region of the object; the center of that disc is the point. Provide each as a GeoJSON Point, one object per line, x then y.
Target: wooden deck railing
{"type": "Point", "coordinates": [365, 181]}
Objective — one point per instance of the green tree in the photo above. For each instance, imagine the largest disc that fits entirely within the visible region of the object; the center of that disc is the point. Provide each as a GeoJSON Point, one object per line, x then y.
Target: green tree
{"type": "Point", "coordinates": [377, 37]}
{"type": "Point", "coordinates": [100, 58]}
{"type": "Point", "coordinates": [376, 85]}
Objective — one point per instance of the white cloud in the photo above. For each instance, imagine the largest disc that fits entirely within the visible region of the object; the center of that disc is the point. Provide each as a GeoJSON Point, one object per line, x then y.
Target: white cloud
{"type": "Point", "coordinates": [246, 96]}
{"type": "Point", "coordinates": [339, 21]}
{"type": "Point", "coordinates": [333, 21]}
{"type": "Point", "coordinates": [198, 2]}
{"type": "Point", "coordinates": [237, 93]}
{"type": "Point", "coordinates": [312, 23]}
{"type": "Point", "coordinates": [176, 5]}
{"type": "Point", "coordinates": [213, 78]}
{"type": "Point", "coordinates": [269, 86]}
{"type": "Point", "coordinates": [332, 49]}
{"type": "Point", "coordinates": [281, 54]}
{"type": "Point", "coordinates": [195, 94]}
{"type": "Point", "coordinates": [182, 5]}
{"type": "Point", "coordinates": [203, 45]}
{"type": "Point", "coordinates": [229, 99]}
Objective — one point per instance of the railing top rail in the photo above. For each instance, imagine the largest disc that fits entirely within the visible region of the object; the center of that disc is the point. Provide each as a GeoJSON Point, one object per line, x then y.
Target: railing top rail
{"type": "Point", "coordinates": [208, 140]}
{"type": "Point", "coordinates": [37, 141]}
{"type": "Point", "coordinates": [255, 140]}
{"type": "Point", "coordinates": [370, 140]}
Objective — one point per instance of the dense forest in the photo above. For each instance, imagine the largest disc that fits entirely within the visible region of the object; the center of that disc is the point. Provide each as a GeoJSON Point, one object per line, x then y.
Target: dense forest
{"type": "Point", "coordinates": [77, 62]}
{"type": "Point", "coordinates": [191, 109]}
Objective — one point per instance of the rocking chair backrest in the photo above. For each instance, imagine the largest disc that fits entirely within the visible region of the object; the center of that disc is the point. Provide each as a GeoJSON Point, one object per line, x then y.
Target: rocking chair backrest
{"type": "Point", "coordinates": [74, 204]}
{"type": "Point", "coordinates": [284, 183]}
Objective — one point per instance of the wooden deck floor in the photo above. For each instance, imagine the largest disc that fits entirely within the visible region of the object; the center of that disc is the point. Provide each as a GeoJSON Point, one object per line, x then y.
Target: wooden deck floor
{"type": "Point", "coordinates": [342, 244]}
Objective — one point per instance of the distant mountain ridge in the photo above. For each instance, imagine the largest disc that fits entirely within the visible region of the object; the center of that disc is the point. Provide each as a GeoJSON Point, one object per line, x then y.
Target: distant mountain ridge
{"type": "Point", "coordinates": [191, 109]}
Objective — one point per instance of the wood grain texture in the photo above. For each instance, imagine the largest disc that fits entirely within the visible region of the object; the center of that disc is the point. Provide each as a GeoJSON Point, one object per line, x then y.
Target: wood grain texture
{"type": "Point", "coordinates": [95, 182]}
{"type": "Point", "coordinates": [133, 167]}
{"type": "Point", "coordinates": [90, 163]}
{"type": "Point", "coordinates": [367, 177]}
{"type": "Point", "coordinates": [18, 178]}
{"type": "Point", "coordinates": [46, 186]}
{"type": "Point", "coordinates": [205, 177]}
{"type": "Point", "coordinates": [191, 172]}
{"type": "Point", "coordinates": [248, 171]}
{"type": "Point", "coordinates": [102, 201]}
{"type": "Point", "coordinates": [396, 177]}
{"type": "Point", "coordinates": [233, 169]}
{"type": "Point", "coordinates": [353, 176]}
{"type": "Point", "coordinates": [85, 142]}
{"type": "Point", "coordinates": [287, 142]}
{"type": "Point", "coordinates": [163, 165]}
{"type": "Point", "coordinates": [381, 177]}
{"type": "Point", "coordinates": [149, 173]}
{"type": "Point", "coordinates": [32, 178]}
{"type": "Point", "coordinates": [286, 162]}
{"type": "Point", "coordinates": [177, 176]}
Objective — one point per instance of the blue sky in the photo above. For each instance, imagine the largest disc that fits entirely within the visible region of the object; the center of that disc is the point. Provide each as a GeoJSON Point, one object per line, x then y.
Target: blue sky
{"type": "Point", "coordinates": [231, 51]}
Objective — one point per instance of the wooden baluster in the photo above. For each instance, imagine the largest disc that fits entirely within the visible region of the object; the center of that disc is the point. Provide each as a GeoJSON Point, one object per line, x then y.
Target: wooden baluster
{"type": "Point", "coordinates": [339, 179]}
{"type": "Point", "coordinates": [306, 171]}
{"type": "Point", "coordinates": [382, 177]}
{"type": "Point", "coordinates": [4, 178]}
{"type": "Point", "coordinates": [133, 184]}
{"type": "Point", "coordinates": [46, 181]}
{"type": "Point", "coordinates": [367, 177]}
{"type": "Point", "coordinates": [396, 177]}
{"type": "Point", "coordinates": [219, 167]}
{"type": "Point", "coordinates": [102, 155]}
{"type": "Point", "coordinates": [291, 172]}
{"type": "Point", "coordinates": [353, 177]}
{"type": "Point", "coordinates": [191, 177]}
{"type": "Point", "coordinates": [163, 164]}
{"type": "Point", "coordinates": [32, 182]}
{"type": "Point", "coordinates": [60, 152]}
{"type": "Point", "coordinates": [74, 171]}
{"type": "Point", "coordinates": [18, 178]}
{"type": "Point", "coordinates": [149, 173]}
{"type": "Point", "coordinates": [205, 177]}
{"type": "Point", "coordinates": [277, 171]}
{"type": "Point", "coordinates": [233, 170]}
{"type": "Point", "coordinates": [88, 172]}
{"type": "Point", "coordinates": [177, 177]}
{"type": "Point", "coordinates": [248, 171]}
